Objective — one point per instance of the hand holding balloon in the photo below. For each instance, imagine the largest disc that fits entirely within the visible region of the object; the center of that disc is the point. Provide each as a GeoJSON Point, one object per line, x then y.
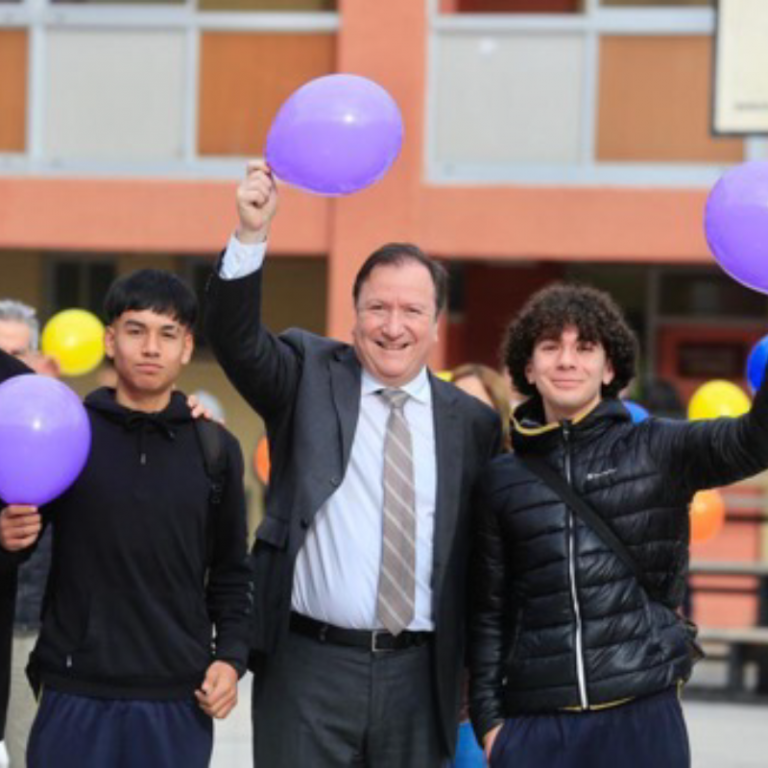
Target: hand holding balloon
{"type": "Point", "coordinates": [256, 203]}
{"type": "Point", "coordinates": [20, 525]}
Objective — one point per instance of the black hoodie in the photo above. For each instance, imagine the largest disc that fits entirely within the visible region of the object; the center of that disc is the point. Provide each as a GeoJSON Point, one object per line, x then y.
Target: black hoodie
{"type": "Point", "coordinates": [145, 590]}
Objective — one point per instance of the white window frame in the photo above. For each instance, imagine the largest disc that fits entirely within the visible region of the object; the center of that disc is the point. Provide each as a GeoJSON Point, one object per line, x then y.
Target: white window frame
{"type": "Point", "coordinates": [590, 24]}
{"type": "Point", "coordinates": [41, 17]}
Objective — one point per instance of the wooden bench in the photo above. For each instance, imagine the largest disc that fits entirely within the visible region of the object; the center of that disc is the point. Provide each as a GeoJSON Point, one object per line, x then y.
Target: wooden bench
{"type": "Point", "coordinates": [742, 645]}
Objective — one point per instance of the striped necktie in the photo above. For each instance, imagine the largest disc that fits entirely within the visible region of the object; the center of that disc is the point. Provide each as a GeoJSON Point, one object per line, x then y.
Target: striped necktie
{"type": "Point", "coordinates": [397, 582]}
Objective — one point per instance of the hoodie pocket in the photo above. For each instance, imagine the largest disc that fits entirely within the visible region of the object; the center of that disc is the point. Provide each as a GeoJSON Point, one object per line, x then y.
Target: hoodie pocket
{"type": "Point", "coordinates": [137, 635]}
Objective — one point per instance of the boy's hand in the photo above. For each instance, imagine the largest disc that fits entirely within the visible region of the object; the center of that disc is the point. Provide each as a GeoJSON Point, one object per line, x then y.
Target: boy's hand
{"type": "Point", "coordinates": [489, 740]}
{"type": "Point", "coordinates": [20, 525]}
{"type": "Point", "coordinates": [217, 696]}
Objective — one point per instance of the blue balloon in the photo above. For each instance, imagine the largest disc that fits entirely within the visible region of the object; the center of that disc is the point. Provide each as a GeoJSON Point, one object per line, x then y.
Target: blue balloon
{"type": "Point", "coordinates": [756, 363]}
{"type": "Point", "coordinates": [637, 412]}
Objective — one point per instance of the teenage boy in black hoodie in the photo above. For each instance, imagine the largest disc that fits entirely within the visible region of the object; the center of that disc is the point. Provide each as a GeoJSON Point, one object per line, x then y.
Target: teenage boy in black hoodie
{"type": "Point", "coordinates": [145, 624]}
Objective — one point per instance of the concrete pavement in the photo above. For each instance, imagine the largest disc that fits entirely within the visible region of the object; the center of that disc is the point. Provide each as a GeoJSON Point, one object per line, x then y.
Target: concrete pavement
{"type": "Point", "coordinates": [723, 734]}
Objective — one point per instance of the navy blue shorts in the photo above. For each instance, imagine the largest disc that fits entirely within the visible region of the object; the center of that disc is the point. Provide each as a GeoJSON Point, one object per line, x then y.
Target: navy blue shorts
{"type": "Point", "coordinates": [646, 733]}
{"type": "Point", "coordinates": [81, 732]}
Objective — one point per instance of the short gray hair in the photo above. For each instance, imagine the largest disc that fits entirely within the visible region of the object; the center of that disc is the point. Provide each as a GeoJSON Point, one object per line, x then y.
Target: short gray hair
{"type": "Point", "coordinates": [19, 312]}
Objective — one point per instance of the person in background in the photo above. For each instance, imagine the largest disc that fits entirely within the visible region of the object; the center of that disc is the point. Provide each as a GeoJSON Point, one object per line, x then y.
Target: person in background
{"type": "Point", "coordinates": [490, 387]}
{"type": "Point", "coordinates": [19, 337]}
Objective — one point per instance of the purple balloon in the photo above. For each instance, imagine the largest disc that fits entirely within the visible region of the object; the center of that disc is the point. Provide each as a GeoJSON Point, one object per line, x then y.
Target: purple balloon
{"type": "Point", "coordinates": [45, 437]}
{"type": "Point", "coordinates": [335, 135]}
{"type": "Point", "coordinates": [736, 224]}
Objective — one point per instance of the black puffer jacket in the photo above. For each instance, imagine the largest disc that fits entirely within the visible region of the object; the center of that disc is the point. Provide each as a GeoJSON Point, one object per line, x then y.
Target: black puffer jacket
{"type": "Point", "coordinates": [558, 620]}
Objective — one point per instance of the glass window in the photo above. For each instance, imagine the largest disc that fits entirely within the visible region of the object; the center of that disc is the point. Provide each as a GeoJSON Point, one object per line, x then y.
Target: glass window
{"type": "Point", "coordinates": [81, 284]}
{"type": "Point", "coordinates": [268, 5]}
{"type": "Point", "coordinates": [512, 6]}
{"type": "Point", "coordinates": [708, 296]}
{"type": "Point", "coordinates": [654, 3]}
{"type": "Point", "coordinates": [508, 98]}
{"type": "Point", "coordinates": [116, 2]}
{"type": "Point", "coordinates": [115, 95]}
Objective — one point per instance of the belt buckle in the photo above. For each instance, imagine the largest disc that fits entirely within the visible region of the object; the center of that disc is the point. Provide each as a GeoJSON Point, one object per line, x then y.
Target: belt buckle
{"type": "Point", "coordinates": [374, 634]}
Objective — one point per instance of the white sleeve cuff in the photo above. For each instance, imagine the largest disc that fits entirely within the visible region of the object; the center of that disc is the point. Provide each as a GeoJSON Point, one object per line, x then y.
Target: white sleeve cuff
{"type": "Point", "coordinates": [241, 260]}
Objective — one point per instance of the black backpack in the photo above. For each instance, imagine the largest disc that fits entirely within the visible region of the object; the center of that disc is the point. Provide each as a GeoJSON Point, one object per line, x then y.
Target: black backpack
{"type": "Point", "coordinates": [209, 435]}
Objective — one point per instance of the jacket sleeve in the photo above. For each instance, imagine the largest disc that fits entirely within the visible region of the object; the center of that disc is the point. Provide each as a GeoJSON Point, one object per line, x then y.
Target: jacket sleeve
{"type": "Point", "coordinates": [230, 578]}
{"type": "Point", "coordinates": [263, 367]}
{"type": "Point", "coordinates": [486, 656]}
{"type": "Point", "coordinates": [11, 366]}
{"type": "Point", "coordinates": [715, 452]}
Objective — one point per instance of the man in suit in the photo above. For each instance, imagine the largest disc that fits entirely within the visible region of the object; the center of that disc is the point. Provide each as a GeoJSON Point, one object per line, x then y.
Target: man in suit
{"type": "Point", "coordinates": [360, 562]}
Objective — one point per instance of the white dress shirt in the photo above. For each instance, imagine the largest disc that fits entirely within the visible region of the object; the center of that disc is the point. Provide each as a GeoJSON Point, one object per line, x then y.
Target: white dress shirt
{"type": "Point", "coordinates": [337, 569]}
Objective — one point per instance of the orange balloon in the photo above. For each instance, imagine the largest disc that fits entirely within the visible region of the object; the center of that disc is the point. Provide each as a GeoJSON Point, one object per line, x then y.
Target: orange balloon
{"type": "Point", "coordinates": [707, 515]}
{"type": "Point", "coordinates": [261, 465]}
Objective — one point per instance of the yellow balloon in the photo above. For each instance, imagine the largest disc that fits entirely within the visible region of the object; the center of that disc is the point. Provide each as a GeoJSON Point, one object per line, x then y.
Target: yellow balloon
{"type": "Point", "coordinates": [717, 398]}
{"type": "Point", "coordinates": [76, 339]}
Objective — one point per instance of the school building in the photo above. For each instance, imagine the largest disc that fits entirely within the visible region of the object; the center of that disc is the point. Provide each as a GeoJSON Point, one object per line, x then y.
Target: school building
{"type": "Point", "coordinates": [544, 139]}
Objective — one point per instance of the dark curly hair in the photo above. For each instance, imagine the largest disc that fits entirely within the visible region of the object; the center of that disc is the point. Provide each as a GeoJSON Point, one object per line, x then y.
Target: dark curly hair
{"type": "Point", "coordinates": [553, 309]}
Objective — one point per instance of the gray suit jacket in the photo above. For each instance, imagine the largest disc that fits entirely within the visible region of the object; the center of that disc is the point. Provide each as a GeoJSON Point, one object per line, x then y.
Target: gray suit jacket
{"type": "Point", "coordinates": [307, 390]}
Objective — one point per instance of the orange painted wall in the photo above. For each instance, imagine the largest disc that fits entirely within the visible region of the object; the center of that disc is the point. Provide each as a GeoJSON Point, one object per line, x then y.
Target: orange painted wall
{"type": "Point", "coordinates": [13, 90]}
{"type": "Point", "coordinates": [655, 100]}
{"type": "Point", "coordinates": [239, 80]}
{"type": "Point", "coordinates": [139, 215]}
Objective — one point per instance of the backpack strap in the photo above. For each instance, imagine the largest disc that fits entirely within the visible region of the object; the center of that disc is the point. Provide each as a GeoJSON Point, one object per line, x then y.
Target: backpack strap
{"type": "Point", "coordinates": [209, 436]}
{"type": "Point", "coordinates": [556, 482]}
{"type": "Point", "coordinates": [214, 457]}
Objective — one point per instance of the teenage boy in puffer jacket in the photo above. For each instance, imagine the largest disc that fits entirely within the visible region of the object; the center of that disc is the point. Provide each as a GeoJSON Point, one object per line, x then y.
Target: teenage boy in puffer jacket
{"type": "Point", "coordinates": [573, 662]}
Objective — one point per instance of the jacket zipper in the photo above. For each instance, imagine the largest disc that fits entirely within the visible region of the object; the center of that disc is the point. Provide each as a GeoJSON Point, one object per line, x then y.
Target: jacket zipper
{"type": "Point", "coordinates": [580, 673]}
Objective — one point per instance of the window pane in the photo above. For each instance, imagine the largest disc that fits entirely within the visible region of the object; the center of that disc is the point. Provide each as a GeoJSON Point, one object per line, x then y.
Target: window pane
{"type": "Point", "coordinates": [509, 98]}
{"type": "Point", "coordinates": [655, 3]}
{"type": "Point", "coordinates": [655, 102]}
{"type": "Point", "coordinates": [267, 5]}
{"type": "Point", "coordinates": [235, 122]}
{"type": "Point", "coordinates": [66, 286]}
{"type": "Point", "coordinates": [100, 277]}
{"type": "Point", "coordinates": [115, 95]}
{"type": "Point", "coordinates": [512, 6]}
{"type": "Point", "coordinates": [82, 284]}
{"type": "Point", "coordinates": [13, 90]}
{"type": "Point", "coordinates": [707, 296]}
{"type": "Point", "coordinates": [121, 2]}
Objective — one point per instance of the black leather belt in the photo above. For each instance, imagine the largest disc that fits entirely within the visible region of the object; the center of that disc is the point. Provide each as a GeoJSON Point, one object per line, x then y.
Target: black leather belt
{"type": "Point", "coordinates": [375, 640]}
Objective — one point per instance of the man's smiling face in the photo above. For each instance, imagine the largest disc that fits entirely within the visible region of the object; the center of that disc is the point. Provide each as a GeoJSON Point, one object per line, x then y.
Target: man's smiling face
{"type": "Point", "coordinates": [396, 326]}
